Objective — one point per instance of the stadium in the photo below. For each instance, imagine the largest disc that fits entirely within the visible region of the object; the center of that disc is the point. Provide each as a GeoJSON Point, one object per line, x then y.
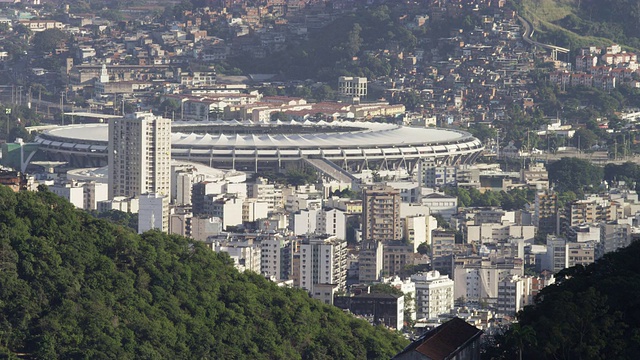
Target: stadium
{"type": "Point", "coordinates": [248, 146]}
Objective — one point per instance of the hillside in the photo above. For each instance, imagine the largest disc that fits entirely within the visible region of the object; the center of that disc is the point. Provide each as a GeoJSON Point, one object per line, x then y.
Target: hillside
{"type": "Point", "coordinates": [73, 286]}
{"type": "Point", "coordinates": [580, 23]}
{"type": "Point", "coordinates": [592, 313]}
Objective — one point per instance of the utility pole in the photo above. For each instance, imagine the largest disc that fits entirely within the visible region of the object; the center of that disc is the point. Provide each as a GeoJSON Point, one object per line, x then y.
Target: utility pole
{"type": "Point", "coordinates": [62, 106]}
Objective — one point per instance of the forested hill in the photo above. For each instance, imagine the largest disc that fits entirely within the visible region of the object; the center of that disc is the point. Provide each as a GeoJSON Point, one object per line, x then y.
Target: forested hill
{"type": "Point", "coordinates": [73, 286]}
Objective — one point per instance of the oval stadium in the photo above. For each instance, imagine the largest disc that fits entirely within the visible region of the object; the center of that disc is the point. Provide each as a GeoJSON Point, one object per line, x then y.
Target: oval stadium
{"type": "Point", "coordinates": [248, 146]}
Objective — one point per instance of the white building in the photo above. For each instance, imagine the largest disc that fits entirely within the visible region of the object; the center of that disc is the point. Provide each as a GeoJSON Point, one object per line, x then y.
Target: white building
{"type": "Point", "coordinates": [227, 208]}
{"type": "Point", "coordinates": [408, 288]}
{"type": "Point", "coordinates": [323, 261]}
{"type": "Point", "coordinates": [153, 212]}
{"type": "Point", "coordinates": [139, 155]}
{"type": "Point", "coordinates": [513, 294]}
{"type": "Point", "coordinates": [120, 203]}
{"type": "Point", "coordinates": [492, 232]}
{"type": "Point", "coordinates": [265, 192]}
{"type": "Point", "coordinates": [304, 222]}
{"type": "Point", "coordinates": [246, 255]}
{"type": "Point", "coordinates": [352, 87]}
{"type": "Point", "coordinates": [72, 192]}
{"type": "Point", "coordinates": [614, 236]}
{"type": "Point", "coordinates": [93, 193]}
{"type": "Point", "coordinates": [434, 294]}
{"type": "Point", "coordinates": [276, 257]}
{"type": "Point", "coordinates": [415, 230]}
{"type": "Point", "coordinates": [332, 222]}
{"type": "Point", "coordinates": [252, 210]}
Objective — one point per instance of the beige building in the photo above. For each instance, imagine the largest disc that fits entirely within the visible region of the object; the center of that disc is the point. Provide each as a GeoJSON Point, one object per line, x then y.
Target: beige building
{"type": "Point", "coordinates": [381, 214]}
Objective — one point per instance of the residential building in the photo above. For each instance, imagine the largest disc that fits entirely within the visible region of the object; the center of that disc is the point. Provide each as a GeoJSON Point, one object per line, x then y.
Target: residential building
{"type": "Point", "coordinates": [513, 294]}
{"type": "Point", "coordinates": [246, 255]}
{"type": "Point", "coordinates": [613, 236]}
{"type": "Point", "coordinates": [378, 308]}
{"type": "Point", "coordinates": [153, 212]}
{"type": "Point", "coordinates": [396, 256]}
{"type": "Point", "coordinates": [139, 155]}
{"type": "Point", "coordinates": [276, 254]}
{"type": "Point", "coordinates": [370, 260]}
{"type": "Point", "coordinates": [381, 214]}
{"type": "Point", "coordinates": [434, 294]}
{"type": "Point", "coordinates": [323, 260]}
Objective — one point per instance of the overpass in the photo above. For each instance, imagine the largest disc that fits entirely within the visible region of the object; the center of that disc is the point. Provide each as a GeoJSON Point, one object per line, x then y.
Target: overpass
{"type": "Point", "coordinates": [528, 33]}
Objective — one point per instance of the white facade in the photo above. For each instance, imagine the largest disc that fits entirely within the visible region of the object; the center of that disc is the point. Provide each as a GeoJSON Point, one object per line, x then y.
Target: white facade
{"type": "Point", "coordinates": [93, 193]}
{"type": "Point", "coordinates": [332, 222]}
{"type": "Point", "coordinates": [276, 257]}
{"type": "Point", "coordinates": [120, 203]}
{"type": "Point", "coordinates": [73, 193]}
{"type": "Point", "coordinates": [139, 155]}
{"type": "Point", "coordinates": [181, 188]}
{"type": "Point", "coordinates": [252, 210]}
{"type": "Point", "coordinates": [267, 193]}
{"type": "Point", "coordinates": [153, 212]}
{"type": "Point", "coordinates": [323, 261]}
{"type": "Point", "coordinates": [492, 232]}
{"type": "Point", "coordinates": [245, 255]}
{"type": "Point", "coordinates": [229, 209]}
{"type": "Point", "coordinates": [415, 230]}
{"type": "Point", "coordinates": [304, 222]}
{"type": "Point", "coordinates": [434, 294]}
{"type": "Point", "coordinates": [513, 294]}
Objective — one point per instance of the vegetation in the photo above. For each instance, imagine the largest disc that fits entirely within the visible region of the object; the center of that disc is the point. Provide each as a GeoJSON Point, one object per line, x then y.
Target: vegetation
{"type": "Point", "coordinates": [580, 23]}
{"type": "Point", "coordinates": [591, 313]}
{"type": "Point", "coordinates": [74, 286]}
{"type": "Point", "coordinates": [576, 175]}
{"type": "Point", "coordinates": [514, 199]}
{"type": "Point", "coordinates": [339, 49]}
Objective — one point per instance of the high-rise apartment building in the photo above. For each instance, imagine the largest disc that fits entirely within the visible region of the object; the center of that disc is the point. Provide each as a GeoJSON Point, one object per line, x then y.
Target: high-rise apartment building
{"type": "Point", "coordinates": [381, 214]}
{"type": "Point", "coordinates": [139, 155]}
{"type": "Point", "coordinates": [323, 261]}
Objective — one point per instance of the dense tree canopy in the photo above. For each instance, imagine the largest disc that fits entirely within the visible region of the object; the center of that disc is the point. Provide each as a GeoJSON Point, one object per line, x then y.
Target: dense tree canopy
{"type": "Point", "coordinates": [74, 286]}
{"type": "Point", "coordinates": [574, 175]}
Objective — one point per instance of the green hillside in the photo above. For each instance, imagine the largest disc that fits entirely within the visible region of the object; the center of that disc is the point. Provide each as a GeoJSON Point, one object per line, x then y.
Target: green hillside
{"type": "Point", "coordinates": [76, 287]}
{"type": "Point", "coordinates": [580, 23]}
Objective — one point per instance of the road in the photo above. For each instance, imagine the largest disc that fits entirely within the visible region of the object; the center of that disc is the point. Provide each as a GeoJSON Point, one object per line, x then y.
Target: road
{"type": "Point", "coordinates": [528, 32]}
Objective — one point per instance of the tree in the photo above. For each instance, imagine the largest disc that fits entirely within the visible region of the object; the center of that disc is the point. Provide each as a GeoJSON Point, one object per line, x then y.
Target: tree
{"type": "Point", "coordinates": [574, 174]}
{"type": "Point", "coordinates": [48, 40]}
{"type": "Point", "coordinates": [521, 336]}
{"type": "Point", "coordinates": [75, 284]}
{"type": "Point", "coordinates": [424, 249]}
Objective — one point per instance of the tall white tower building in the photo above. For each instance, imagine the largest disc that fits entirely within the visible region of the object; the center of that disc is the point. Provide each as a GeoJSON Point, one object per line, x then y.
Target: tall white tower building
{"type": "Point", "coordinates": [139, 155]}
